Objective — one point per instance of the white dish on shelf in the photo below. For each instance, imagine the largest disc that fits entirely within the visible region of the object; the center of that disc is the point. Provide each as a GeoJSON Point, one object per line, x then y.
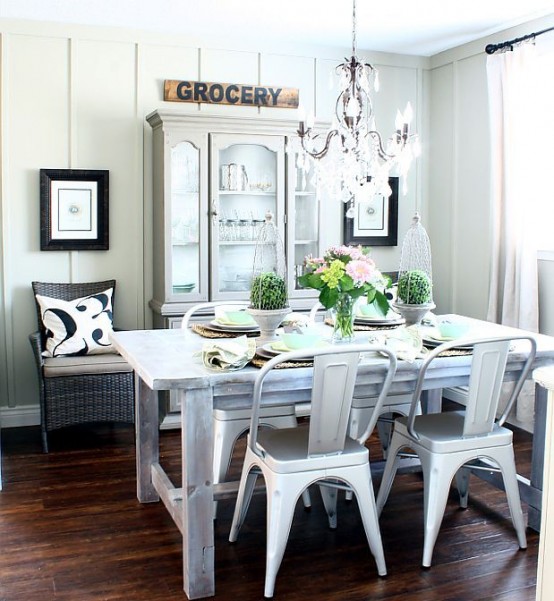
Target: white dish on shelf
{"type": "Point", "coordinates": [180, 288]}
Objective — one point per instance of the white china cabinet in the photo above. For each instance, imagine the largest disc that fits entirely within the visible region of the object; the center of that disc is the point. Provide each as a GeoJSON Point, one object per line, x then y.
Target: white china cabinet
{"type": "Point", "coordinates": [214, 180]}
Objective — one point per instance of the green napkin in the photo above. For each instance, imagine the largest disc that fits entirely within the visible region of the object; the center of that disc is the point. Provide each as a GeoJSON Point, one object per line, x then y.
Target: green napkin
{"type": "Point", "coordinates": [228, 354]}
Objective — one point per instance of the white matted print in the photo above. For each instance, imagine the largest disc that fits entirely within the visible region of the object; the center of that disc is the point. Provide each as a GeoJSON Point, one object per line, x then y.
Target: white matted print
{"type": "Point", "coordinates": [375, 220]}
{"type": "Point", "coordinates": [371, 218]}
{"type": "Point", "coordinates": [74, 210]}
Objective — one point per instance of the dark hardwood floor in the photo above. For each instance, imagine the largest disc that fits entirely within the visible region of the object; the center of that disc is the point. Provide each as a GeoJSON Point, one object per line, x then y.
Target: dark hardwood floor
{"type": "Point", "coordinates": [71, 529]}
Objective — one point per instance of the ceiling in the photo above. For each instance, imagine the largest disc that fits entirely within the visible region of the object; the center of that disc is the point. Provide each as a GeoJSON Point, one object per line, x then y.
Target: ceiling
{"type": "Point", "coordinates": [420, 27]}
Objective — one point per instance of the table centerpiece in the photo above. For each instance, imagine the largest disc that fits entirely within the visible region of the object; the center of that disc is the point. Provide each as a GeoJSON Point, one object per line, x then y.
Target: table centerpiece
{"type": "Point", "coordinates": [342, 275]}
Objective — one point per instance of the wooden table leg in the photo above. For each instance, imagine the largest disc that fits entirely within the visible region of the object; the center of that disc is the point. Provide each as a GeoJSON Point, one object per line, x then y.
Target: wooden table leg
{"type": "Point", "coordinates": [198, 529]}
{"type": "Point", "coordinates": [147, 439]}
{"type": "Point", "coordinates": [431, 400]}
{"type": "Point", "coordinates": [534, 499]}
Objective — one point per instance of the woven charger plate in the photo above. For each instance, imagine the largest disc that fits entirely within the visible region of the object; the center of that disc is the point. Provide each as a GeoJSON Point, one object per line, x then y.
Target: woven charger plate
{"type": "Point", "coordinates": [363, 328]}
{"type": "Point", "coordinates": [205, 332]}
{"type": "Point", "coordinates": [261, 361]}
{"type": "Point", "coordinates": [452, 352]}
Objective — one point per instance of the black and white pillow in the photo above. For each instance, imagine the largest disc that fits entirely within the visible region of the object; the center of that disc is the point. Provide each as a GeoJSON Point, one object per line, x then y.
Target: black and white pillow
{"type": "Point", "coordinates": [78, 327]}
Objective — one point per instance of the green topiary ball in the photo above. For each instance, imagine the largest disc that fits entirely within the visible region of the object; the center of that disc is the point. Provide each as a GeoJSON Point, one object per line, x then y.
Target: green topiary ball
{"type": "Point", "coordinates": [269, 292]}
{"type": "Point", "coordinates": [414, 287]}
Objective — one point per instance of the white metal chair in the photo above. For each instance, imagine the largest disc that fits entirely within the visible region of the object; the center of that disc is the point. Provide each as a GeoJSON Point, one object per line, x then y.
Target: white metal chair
{"type": "Point", "coordinates": [230, 424]}
{"type": "Point", "coordinates": [292, 459]}
{"type": "Point", "coordinates": [446, 442]}
{"type": "Point", "coordinates": [364, 406]}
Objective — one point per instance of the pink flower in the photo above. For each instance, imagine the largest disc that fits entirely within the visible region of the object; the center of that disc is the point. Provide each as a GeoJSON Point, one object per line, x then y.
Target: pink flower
{"type": "Point", "coordinates": [360, 271]}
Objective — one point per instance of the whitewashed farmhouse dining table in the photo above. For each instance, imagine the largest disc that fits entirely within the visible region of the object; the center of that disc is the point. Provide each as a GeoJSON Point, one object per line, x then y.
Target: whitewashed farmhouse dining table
{"type": "Point", "coordinates": [168, 360]}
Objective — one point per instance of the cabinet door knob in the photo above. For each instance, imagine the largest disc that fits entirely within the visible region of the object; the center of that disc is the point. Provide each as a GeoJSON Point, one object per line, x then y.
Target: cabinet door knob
{"type": "Point", "coordinates": [215, 212]}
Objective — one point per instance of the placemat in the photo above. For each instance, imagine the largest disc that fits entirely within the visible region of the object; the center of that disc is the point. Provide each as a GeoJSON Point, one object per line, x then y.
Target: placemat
{"type": "Point", "coordinates": [364, 328]}
{"type": "Point", "coordinates": [261, 361]}
{"type": "Point", "coordinates": [205, 332]}
{"type": "Point", "coordinates": [451, 353]}
{"type": "Point", "coordinates": [258, 361]}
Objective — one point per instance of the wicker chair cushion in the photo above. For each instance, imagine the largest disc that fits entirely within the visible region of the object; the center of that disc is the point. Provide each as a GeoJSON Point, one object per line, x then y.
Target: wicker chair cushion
{"type": "Point", "coordinates": [55, 367]}
{"type": "Point", "coordinates": [78, 327]}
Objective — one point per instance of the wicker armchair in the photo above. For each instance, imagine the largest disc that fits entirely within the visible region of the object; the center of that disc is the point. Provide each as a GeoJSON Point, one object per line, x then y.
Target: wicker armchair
{"type": "Point", "coordinates": [80, 389]}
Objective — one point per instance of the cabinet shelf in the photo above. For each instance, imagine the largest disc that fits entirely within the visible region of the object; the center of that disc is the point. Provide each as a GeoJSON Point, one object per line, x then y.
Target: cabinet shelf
{"type": "Point", "coordinates": [240, 242]}
{"type": "Point", "coordinates": [303, 193]}
{"type": "Point", "coordinates": [191, 243]}
{"type": "Point", "coordinates": [304, 242]}
{"type": "Point", "coordinates": [245, 193]}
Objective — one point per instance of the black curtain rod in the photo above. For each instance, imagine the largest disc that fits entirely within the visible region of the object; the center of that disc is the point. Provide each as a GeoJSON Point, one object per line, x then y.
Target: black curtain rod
{"type": "Point", "coordinates": [492, 48]}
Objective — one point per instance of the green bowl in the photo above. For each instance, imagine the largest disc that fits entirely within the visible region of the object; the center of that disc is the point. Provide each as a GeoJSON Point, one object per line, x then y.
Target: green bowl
{"type": "Point", "coordinates": [295, 341]}
{"type": "Point", "coordinates": [239, 318]}
{"type": "Point", "coordinates": [452, 330]}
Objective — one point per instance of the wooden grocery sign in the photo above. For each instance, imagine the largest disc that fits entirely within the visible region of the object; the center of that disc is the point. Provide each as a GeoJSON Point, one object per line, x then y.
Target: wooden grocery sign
{"type": "Point", "coordinates": [230, 93]}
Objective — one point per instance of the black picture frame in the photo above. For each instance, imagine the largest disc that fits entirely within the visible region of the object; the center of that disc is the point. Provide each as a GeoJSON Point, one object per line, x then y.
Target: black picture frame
{"type": "Point", "coordinates": [74, 209]}
{"type": "Point", "coordinates": [382, 228]}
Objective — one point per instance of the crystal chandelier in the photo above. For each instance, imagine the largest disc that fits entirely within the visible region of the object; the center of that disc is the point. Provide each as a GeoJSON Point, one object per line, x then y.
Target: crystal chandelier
{"type": "Point", "coordinates": [353, 160]}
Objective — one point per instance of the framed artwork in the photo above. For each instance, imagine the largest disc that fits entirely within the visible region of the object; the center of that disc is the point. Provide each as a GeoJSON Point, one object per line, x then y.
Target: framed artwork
{"type": "Point", "coordinates": [376, 220]}
{"type": "Point", "coordinates": [74, 211]}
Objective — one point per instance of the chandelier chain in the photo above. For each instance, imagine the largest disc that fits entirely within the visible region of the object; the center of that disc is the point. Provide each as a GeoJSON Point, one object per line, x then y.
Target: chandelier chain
{"type": "Point", "coordinates": [352, 158]}
{"type": "Point", "coordinates": [354, 46]}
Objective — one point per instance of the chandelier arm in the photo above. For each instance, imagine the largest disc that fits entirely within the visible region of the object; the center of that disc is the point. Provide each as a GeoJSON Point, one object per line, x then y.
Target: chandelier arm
{"type": "Point", "coordinates": [321, 153]}
{"type": "Point", "coordinates": [383, 154]}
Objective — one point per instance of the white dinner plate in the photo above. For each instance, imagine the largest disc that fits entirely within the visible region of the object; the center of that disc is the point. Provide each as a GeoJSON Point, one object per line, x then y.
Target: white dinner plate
{"type": "Point", "coordinates": [277, 347]}
{"type": "Point", "coordinates": [440, 339]}
{"type": "Point", "coordinates": [379, 321]}
{"type": "Point", "coordinates": [430, 340]}
{"type": "Point", "coordinates": [233, 327]}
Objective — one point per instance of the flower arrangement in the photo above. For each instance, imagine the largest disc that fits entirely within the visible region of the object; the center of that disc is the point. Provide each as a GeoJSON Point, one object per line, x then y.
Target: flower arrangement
{"type": "Point", "coordinates": [342, 275]}
{"type": "Point", "coordinates": [349, 270]}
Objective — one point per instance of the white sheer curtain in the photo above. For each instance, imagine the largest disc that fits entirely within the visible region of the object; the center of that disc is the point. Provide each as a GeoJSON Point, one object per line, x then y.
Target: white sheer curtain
{"type": "Point", "coordinates": [518, 181]}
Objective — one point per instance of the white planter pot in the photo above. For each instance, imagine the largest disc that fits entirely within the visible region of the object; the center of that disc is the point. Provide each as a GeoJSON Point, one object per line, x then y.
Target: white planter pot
{"type": "Point", "coordinates": [268, 321]}
{"type": "Point", "coordinates": [413, 314]}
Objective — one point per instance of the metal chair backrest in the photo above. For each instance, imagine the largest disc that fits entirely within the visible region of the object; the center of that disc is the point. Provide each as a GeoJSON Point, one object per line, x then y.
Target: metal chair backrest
{"type": "Point", "coordinates": [488, 368]}
{"type": "Point", "coordinates": [203, 306]}
{"type": "Point", "coordinates": [314, 311]}
{"type": "Point", "coordinates": [334, 378]}
{"type": "Point", "coordinates": [68, 292]}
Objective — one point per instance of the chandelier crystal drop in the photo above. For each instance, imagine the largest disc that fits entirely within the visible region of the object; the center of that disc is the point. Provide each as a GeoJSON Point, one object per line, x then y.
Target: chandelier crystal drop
{"type": "Point", "coordinates": [352, 160]}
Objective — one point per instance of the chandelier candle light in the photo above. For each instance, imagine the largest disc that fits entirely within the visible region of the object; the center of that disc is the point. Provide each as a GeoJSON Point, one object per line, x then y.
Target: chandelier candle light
{"type": "Point", "coordinates": [355, 151]}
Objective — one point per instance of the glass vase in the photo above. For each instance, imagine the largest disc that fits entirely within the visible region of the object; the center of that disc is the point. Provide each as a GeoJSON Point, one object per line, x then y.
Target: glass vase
{"type": "Point", "coordinates": [343, 316]}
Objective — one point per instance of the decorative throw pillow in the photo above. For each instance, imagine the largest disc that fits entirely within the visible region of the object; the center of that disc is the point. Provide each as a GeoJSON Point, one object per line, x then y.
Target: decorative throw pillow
{"type": "Point", "coordinates": [78, 327]}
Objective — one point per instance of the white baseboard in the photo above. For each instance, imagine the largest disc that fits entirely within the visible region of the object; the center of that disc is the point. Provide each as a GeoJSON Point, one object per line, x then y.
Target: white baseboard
{"type": "Point", "coordinates": [16, 417]}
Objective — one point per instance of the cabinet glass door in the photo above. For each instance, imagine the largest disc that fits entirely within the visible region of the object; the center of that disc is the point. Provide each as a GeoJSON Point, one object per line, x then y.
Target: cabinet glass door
{"type": "Point", "coordinates": [247, 180]}
{"type": "Point", "coordinates": [185, 228]}
{"type": "Point", "coordinates": [304, 224]}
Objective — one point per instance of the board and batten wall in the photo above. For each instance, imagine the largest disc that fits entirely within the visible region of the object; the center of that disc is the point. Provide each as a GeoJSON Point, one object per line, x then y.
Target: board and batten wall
{"type": "Point", "coordinates": [459, 207]}
{"type": "Point", "coordinates": [76, 97]}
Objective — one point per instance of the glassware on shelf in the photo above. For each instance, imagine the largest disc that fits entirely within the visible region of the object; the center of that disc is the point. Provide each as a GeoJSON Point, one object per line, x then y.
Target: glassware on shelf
{"type": "Point", "coordinates": [222, 230]}
{"type": "Point", "coordinates": [233, 178]}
